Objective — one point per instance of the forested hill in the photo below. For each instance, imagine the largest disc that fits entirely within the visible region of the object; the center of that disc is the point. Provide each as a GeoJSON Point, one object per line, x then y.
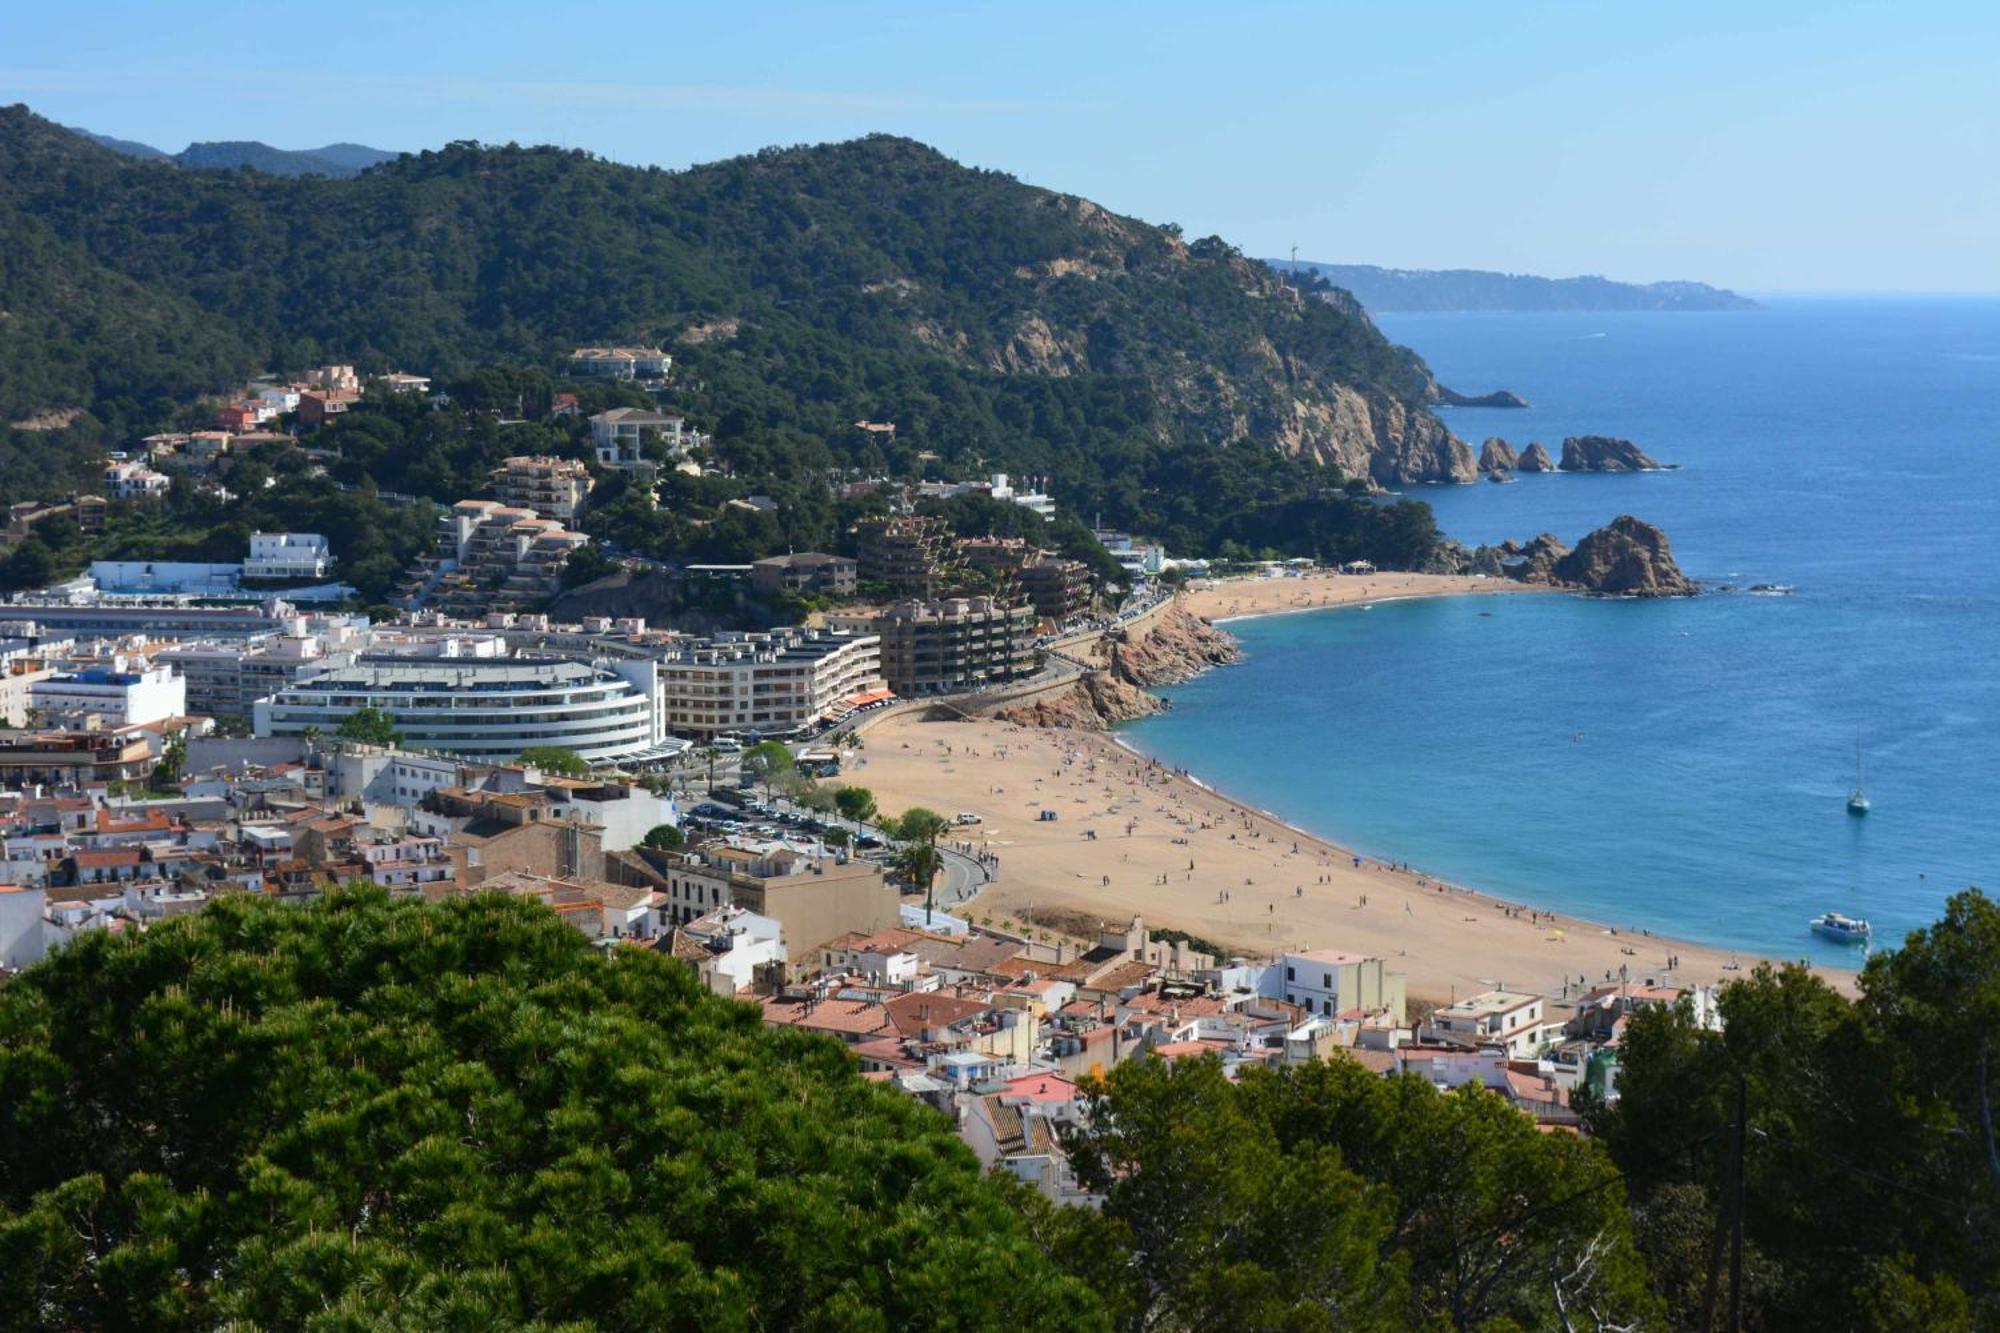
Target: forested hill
{"type": "Point", "coordinates": [802, 289]}
{"type": "Point", "coordinates": [1388, 289]}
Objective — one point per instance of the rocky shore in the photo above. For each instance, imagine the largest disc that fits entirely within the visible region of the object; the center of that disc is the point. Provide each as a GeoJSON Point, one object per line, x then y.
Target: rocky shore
{"type": "Point", "coordinates": [1176, 646]}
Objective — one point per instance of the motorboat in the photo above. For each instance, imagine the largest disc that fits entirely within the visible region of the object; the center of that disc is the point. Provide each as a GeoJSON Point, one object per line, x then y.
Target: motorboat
{"type": "Point", "coordinates": [1841, 929]}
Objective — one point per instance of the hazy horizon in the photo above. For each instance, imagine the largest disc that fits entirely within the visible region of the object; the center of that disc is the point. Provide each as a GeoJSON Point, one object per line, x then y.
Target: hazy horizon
{"type": "Point", "coordinates": [1789, 150]}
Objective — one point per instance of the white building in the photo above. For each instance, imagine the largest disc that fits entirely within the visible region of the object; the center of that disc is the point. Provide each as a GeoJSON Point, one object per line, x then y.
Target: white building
{"type": "Point", "coordinates": [621, 363]}
{"type": "Point", "coordinates": [24, 937]}
{"type": "Point", "coordinates": [1513, 1020]}
{"type": "Point", "coordinates": [127, 480]}
{"type": "Point", "coordinates": [1002, 489]}
{"type": "Point", "coordinates": [618, 435]}
{"type": "Point", "coordinates": [1136, 558]}
{"type": "Point", "coordinates": [728, 946]}
{"type": "Point", "coordinates": [118, 697]}
{"type": "Point", "coordinates": [771, 684]}
{"type": "Point", "coordinates": [287, 555]}
{"type": "Point", "coordinates": [488, 709]}
{"type": "Point", "coordinates": [1330, 982]}
{"type": "Point", "coordinates": [165, 578]}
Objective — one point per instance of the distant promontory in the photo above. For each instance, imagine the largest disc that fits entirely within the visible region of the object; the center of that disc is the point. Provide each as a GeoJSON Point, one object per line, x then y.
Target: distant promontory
{"type": "Point", "coordinates": [1400, 289]}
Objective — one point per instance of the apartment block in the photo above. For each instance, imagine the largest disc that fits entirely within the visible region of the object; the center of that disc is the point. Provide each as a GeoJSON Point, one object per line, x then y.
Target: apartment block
{"type": "Point", "coordinates": [955, 643]}
{"type": "Point", "coordinates": [905, 551]}
{"type": "Point", "coordinates": [553, 487]}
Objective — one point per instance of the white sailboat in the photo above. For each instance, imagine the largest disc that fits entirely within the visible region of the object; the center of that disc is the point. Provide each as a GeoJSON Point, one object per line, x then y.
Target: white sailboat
{"type": "Point", "coordinates": [1857, 800]}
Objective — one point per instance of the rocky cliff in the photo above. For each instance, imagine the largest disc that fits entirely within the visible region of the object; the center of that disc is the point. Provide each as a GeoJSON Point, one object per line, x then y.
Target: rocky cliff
{"type": "Point", "coordinates": [1174, 647]}
{"type": "Point", "coordinates": [1627, 558]}
{"type": "Point", "coordinates": [1602, 453]}
{"type": "Point", "coordinates": [1178, 646]}
{"type": "Point", "coordinates": [1496, 455]}
{"type": "Point", "coordinates": [1097, 701]}
{"type": "Point", "coordinates": [1535, 459]}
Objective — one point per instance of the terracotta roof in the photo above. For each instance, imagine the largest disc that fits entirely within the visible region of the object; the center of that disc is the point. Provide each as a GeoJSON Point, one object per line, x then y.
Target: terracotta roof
{"type": "Point", "coordinates": [915, 1014]}
{"type": "Point", "coordinates": [851, 1019]}
{"type": "Point", "coordinates": [1181, 1050]}
{"type": "Point", "coordinates": [117, 856]}
{"type": "Point", "coordinates": [1042, 1088]}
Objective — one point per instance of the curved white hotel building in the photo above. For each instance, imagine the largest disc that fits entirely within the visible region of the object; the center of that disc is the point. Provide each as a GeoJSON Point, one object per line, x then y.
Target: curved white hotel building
{"type": "Point", "coordinates": [481, 708]}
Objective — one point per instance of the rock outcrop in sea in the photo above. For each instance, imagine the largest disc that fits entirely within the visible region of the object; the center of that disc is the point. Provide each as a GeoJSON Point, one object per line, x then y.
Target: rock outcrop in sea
{"type": "Point", "coordinates": [1628, 558]}
{"type": "Point", "coordinates": [1534, 458]}
{"type": "Point", "coordinates": [1498, 398]}
{"type": "Point", "coordinates": [1604, 453]}
{"type": "Point", "coordinates": [1496, 455]}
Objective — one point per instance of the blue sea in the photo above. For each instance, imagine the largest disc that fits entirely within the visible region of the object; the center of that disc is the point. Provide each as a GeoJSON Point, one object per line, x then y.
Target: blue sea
{"type": "Point", "coordinates": [1676, 765]}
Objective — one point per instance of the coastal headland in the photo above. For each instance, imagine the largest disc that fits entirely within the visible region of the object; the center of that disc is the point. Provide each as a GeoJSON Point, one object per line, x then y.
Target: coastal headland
{"type": "Point", "coordinates": [1083, 825]}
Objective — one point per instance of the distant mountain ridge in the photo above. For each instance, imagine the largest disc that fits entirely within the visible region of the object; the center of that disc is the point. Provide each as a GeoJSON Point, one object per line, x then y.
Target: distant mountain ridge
{"type": "Point", "coordinates": [339, 160]}
{"type": "Point", "coordinates": [1396, 289]}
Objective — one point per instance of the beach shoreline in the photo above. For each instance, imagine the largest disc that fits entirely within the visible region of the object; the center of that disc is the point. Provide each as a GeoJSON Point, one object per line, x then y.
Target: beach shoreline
{"type": "Point", "coordinates": [1086, 822]}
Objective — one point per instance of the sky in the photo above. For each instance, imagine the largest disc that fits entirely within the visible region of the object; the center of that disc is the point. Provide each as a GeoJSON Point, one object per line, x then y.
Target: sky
{"type": "Point", "coordinates": [1770, 146]}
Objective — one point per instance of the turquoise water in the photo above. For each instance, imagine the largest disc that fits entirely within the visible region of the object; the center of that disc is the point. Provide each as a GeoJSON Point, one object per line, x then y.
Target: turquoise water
{"type": "Point", "coordinates": [1680, 766]}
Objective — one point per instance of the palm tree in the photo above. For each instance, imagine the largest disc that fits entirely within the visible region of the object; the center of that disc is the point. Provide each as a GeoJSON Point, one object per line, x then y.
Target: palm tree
{"type": "Point", "coordinates": [919, 860]}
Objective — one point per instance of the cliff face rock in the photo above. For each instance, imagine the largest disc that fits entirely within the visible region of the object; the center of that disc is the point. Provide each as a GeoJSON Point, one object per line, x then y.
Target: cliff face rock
{"type": "Point", "coordinates": [1496, 455]}
{"type": "Point", "coordinates": [1177, 646]}
{"type": "Point", "coordinates": [1093, 703]}
{"type": "Point", "coordinates": [1625, 557]}
{"type": "Point", "coordinates": [1535, 459]}
{"type": "Point", "coordinates": [1602, 453]}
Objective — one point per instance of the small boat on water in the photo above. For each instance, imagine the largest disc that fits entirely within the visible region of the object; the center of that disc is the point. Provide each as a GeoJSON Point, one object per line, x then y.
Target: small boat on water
{"type": "Point", "coordinates": [1841, 929]}
{"type": "Point", "coordinates": [1857, 800]}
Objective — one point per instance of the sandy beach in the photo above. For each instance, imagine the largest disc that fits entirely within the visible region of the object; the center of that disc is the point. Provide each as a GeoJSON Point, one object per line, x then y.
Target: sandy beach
{"type": "Point", "coordinates": [1225, 599]}
{"type": "Point", "coordinates": [1128, 836]}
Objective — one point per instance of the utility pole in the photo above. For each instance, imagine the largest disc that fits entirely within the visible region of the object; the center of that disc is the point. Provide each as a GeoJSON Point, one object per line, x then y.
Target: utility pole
{"type": "Point", "coordinates": [1736, 1208]}
{"type": "Point", "coordinates": [1729, 1221]}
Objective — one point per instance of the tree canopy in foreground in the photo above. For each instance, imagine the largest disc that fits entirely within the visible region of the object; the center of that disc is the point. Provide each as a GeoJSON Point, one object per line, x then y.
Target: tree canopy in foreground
{"type": "Point", "coordinates": [386, 1114]}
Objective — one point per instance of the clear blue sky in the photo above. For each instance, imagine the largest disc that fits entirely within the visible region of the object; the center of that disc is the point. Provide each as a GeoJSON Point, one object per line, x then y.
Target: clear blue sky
{"type": "Point", "coordinates": [1765, 145]}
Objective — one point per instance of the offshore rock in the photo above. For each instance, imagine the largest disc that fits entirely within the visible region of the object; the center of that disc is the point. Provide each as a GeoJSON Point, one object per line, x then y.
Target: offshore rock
{"type": "Point", "coordinates": [1498, 398]}
{"type": "Point", "coordinates": [1496, 455]}
{"type": "Point", "coordinates": [1535, 459]}
{"type": "Point", "coordinates": [1626, 558]}
{"type": "Point", "coordinates": [1603, 453]}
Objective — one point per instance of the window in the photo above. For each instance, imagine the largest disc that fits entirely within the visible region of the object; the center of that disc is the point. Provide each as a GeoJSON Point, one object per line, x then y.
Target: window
{"type": "Point", "coordinates": [1326, 980]}
{"type": "Point", "coordinates": [1289, 976]}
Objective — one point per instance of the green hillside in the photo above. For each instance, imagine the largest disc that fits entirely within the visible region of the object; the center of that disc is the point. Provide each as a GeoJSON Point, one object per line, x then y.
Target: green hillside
{"type": "Point", "coordinates": [803, 289]}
